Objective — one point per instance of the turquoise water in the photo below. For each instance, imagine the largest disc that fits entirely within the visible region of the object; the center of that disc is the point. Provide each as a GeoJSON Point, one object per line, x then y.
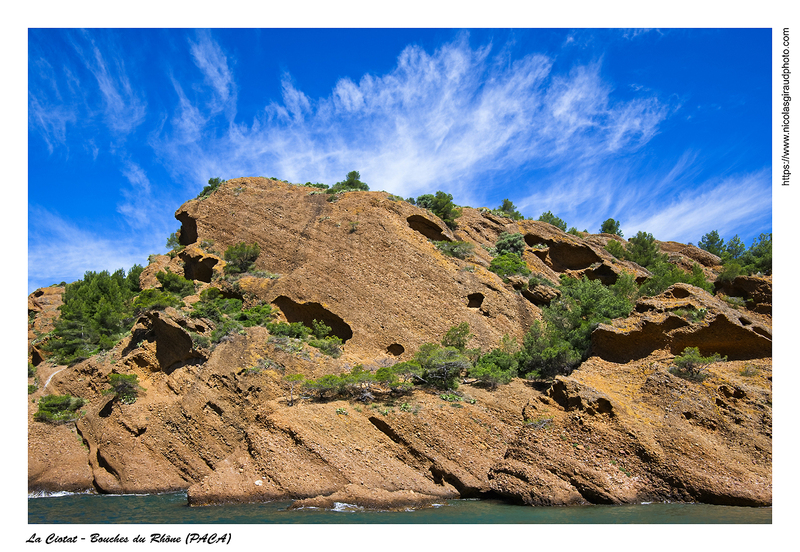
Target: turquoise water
{"type": "Point", "coordinates": [172, 509]}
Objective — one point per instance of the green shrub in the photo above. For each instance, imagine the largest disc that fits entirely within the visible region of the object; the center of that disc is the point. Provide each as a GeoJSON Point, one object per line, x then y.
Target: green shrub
{"type": "Point", "coordinates": [643, 250]}
{"type": "Point", "coordinates": [510, 243]}
{"type": "Point", "coordinates": [399, 377]}
{"type": "Point", "coordinates": [508, 209]}
{"type": "Point", "coordinates": [214, 306]}
{"type": "Point", "coordinates": [459, 249]}
{"type": "Point", "coordinates": [691, 366]}
{"type": "Point", "coordinates": [225, 328]}
{"type": "Point", "coordinates": [441, 367]}
{"type": "Point", "coordinates": [574, 231]}
{"type": "Point", "coordinates": [241, 257]}
{"type": "Point", "coordinates": [331, 345]}
{"type": "Point", "coordinates": [444, 208]}
{"type": "Point", "coordinates": [610, 226]}
{"type": "Point", "coordinates": [712, 243]}
{"type": "Point", "coordinates": [354, 384]}
{"type": "Point", "coordinates": [450, 397]}
{"type": "Point", "coordinates": [31, 370]}
{"type": "Point", "coordinates": [213, 185]}
{"type": "Point", "coordinates": [124, 387]}
{"type": "Point", "coordinates": [257, 315]}
{"type": "Point", "coordinates": [32, 387]}
{"type": "Point", "coordinates": [424, 201]}
{"type": "Point", "coordinates": [616, 249]}
{"type": "Point", "coordinates": [154, 299]}
{"type": "Point", "coordinates": [56, 409]}
{"type": "Point", "coordinates": [494, 368]}
{"type": "Point", "coordinates": [174, 242]}
{"type": "Point", "coordinates": [350, 183]}
{"type": "Point", "coordinates": [296, 330]}
{"type": "Point", "coordinates": [730, 271]}
{"type": "Point", "coordinates": [664, 274]}
{"type": "Point", "coordinates": [550, 218]}
{"type": "Point", "coordinates": [539, 280]}
{"type": "Point", "coordinates": [457, 337]}
{"type": "Point", "coordinates": [175, 283]}
{"type": "Point", "coordinates": [509, 264]}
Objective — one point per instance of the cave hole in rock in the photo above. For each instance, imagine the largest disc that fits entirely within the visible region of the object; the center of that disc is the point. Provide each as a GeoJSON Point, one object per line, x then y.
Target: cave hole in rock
{"type": "Point", "coordinates": [188, 233]}
{"type": "Point", "coordinates": [744, 321]}
{"type": "Point", "coordinates": [198, 268]}
{"type": "Point", "coordinates": [36, 357]}
{"type": "Point", "coordinates": [533, 239]}
{"type": "Point", "coordinates": [308, 312]}
{"type": "Point", "coordinates": [427, 228]}
{"type": "Point", "coordinates": [573, 257]}
{"type": "Point", "coordinates": [105, 412]}
{"type": "Point", "coordinates": [680, 293]}
{"type": "Point", "coordinates": [395, 349]}
{"type": "Point", "coordinates": [475, 300]}
{"type": "Point", "coordinates": [604, 273]}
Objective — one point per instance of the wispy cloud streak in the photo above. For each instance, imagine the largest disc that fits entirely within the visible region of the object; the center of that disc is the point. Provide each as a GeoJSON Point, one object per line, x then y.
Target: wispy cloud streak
{"type": "Point", "coordinates": [445, 119]}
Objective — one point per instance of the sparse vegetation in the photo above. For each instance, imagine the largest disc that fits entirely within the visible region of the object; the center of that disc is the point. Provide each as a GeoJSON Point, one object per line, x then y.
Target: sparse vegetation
{"type": "Point", "coordinates": [241, 257]}
{"type": "Point", "coordinates": [510, 243]}
{"type": "Point", "coordinates": [58, 409]}
{"type": "Point", "coordinates": [124, 387]}
{"type": "Point", "coordinates": [175, 284]}
{"type": "Point", "coordinates": [690, 365]}
{"type": "Point", "coordinates": [174, 243]}
{"type": "Point", "coordinates": [735, 258]}
{"type": "Point", "coordinates": [550, 218]}
{"type": "Point", "coordinates": [611, 226]}
{"type": "Point", "coordinates": [508, 209]}
{"type": "Point", "coordinates": [351, 183]}
{"type": "Point", "coordinates": [459, 249]}
{"type": "Point", "coordinates": [509, 264]}
{"type": "Point", "coordinates": [292, 381]}
{"type": "Point", "coordinates": [213, 186]}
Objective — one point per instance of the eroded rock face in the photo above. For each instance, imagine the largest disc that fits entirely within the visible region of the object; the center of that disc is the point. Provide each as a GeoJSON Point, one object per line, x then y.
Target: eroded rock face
{"type": "Point", "coordinates": [218, 423]}
{"type": "Point", "coordinates": [659, 324]}
{"type": "Point", "coordinates": [756, 290]}
{"type": "Point", "coordinates": [364, 259]}
{"type": "Point", "coordinates": [663, 440]}
{"type": "Point", "coordinates": [160, 341]}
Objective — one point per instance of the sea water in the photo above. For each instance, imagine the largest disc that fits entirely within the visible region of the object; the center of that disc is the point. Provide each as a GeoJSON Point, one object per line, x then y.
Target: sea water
{"type": "Point", "coordinates": [172, 509]}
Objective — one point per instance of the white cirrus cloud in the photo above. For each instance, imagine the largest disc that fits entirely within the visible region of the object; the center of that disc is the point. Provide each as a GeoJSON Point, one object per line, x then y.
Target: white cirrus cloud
{"type": "Point", "coordinates": [445, 119]}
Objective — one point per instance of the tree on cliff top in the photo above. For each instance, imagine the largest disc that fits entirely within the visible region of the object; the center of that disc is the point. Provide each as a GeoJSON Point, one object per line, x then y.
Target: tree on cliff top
{"type": "Point", "coordinates": [351, 183]}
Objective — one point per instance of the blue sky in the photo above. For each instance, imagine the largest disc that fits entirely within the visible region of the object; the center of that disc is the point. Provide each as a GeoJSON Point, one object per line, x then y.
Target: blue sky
{"type": "Point", "coordinates": [125, 125]}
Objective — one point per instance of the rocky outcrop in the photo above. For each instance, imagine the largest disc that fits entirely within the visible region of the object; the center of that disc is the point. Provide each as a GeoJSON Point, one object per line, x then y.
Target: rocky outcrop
{"type": "Point", "coordinates": [755, 290]}
{"type": "Point", "coordinates": [683, 316]}
{"type": "Point", "coordinates": [661, 440]}
{"type": "Point", "coordinates": [43, 311]}
{"type": "Point", "coordinates": [218, 422]}
{"type": "Point", "coordinates": [161, 341]}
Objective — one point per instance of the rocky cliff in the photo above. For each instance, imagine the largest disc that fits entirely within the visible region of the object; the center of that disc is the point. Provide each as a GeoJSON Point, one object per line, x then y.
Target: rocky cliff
{"type": "Point", "coordinates": [619, 429]}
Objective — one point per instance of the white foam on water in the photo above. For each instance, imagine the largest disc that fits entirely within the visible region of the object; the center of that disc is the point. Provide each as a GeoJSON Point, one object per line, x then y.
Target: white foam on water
{"type": "Point", "coordinates": [345, 507]}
